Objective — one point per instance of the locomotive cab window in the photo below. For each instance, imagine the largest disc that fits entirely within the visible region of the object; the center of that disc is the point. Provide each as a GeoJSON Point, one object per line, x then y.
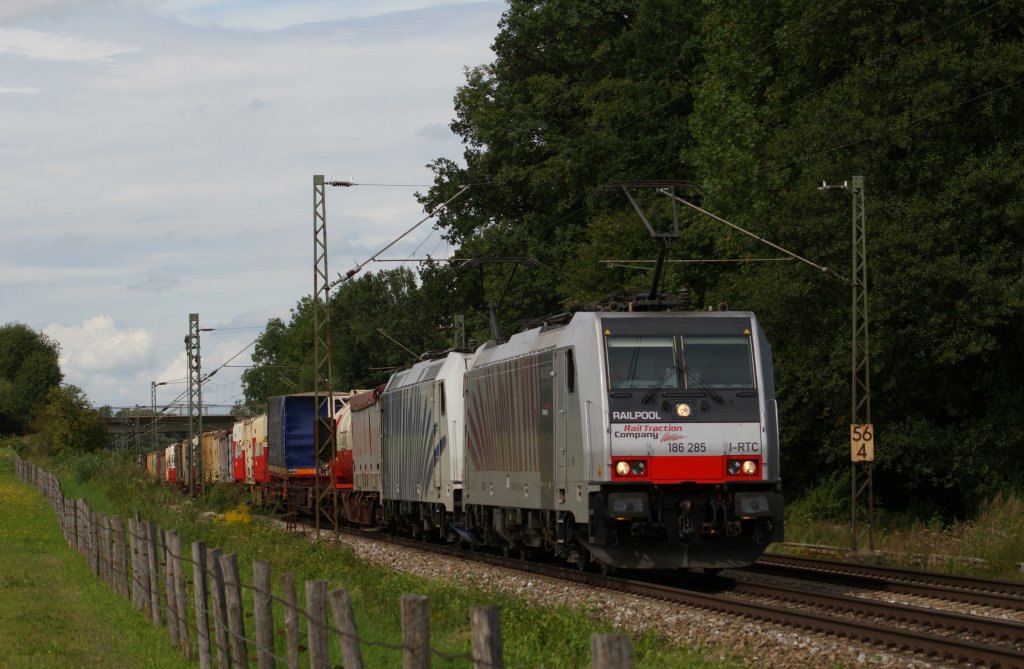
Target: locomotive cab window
{"type": "Point", "coordinates": [718, 362]}
{"type": "Point", "coordinates": [642, 362]}
{"type": "Point", "coordinates": [570, 372]}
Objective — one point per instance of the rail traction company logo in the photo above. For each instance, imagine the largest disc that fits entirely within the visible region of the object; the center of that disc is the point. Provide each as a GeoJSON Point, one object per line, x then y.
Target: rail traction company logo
{"type": "Point", "coordinates": [662, 432]}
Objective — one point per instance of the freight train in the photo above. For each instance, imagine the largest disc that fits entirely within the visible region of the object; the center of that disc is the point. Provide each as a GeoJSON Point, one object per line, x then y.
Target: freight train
{"type": "Point", "coordinates": [610, 439]}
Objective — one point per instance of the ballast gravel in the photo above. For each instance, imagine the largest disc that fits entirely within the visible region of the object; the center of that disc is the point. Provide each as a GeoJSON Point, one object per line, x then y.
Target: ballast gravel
{"type": "Point", "coordinates": [716, 636]}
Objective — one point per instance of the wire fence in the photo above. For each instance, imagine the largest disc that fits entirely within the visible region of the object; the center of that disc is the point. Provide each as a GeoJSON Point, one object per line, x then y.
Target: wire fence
{"type": "Point", "coordinates": [146, 565]}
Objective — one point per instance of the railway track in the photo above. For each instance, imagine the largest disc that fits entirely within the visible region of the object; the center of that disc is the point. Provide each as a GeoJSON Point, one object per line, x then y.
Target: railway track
{"type": "Point", "coordinates": [964, 589]}
{"type": "Point", "coordinates": [952, 638]}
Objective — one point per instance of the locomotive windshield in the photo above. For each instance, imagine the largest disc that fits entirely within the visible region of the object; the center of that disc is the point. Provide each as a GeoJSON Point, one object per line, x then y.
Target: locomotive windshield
{"type": "Point", "coordinates": [642, 362]}
{"type": "Point", "coordinates": [718, 362]}
{"type": "Point", "coordinates": [652, 362]}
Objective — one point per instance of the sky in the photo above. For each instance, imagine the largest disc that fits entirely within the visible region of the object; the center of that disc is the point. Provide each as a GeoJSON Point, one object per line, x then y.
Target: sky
{"type": "Point", "coordinates": [157, 160]}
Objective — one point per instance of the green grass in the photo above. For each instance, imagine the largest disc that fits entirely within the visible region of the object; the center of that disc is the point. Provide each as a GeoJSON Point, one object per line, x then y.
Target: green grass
{"type": "Point", "coordinates": [532, 636]}
{"type": "Point", "coordinates": [53, 611]}
{"type": "Point", "coordinates": [989, 546]}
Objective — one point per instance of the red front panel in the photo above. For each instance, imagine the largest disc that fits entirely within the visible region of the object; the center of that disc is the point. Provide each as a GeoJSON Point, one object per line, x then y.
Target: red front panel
{"type": "Point", "coordinates": [669, 469]}
{"type": "Point", "coordinates": [699, 468]}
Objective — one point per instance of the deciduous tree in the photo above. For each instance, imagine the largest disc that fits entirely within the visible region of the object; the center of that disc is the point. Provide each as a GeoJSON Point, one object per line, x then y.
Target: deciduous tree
{"type": "Point", "coordinates": [29, 368]}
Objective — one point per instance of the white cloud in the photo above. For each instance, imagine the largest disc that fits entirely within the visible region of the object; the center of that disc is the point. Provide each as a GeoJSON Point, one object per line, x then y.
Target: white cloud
{"type": "Point", "coordinates": [274, 14]}
{"type": "Point", "coordinates": [35, 44]}
{"type": "Point", "coordinates": [20, 9]}
{"type": "Point", "coordinates": [179, 179]}
{"type": "Point", "coordinates": [99, 346]}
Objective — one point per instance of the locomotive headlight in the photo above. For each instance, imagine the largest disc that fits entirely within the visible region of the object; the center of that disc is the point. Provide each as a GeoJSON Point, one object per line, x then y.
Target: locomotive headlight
{"type": "Point", "coordinates": [741, 467]}
{"type": "Point", "coordinates": [683, 410]}
{"type": "Point", "coordinates": [622, 468]}
{"type": "Point", "coordinates": [639, 468]}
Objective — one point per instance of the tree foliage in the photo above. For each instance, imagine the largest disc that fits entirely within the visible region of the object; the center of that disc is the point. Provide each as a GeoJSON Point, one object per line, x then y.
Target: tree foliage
{"type": "Point", "coordinates": [757, 103]}
{"type": "Point", "coordinates": [379, 322]}
{"type": "Point", "coordinates": [67, 423]}
{"type": "Point", "coordinates": [29, 368]}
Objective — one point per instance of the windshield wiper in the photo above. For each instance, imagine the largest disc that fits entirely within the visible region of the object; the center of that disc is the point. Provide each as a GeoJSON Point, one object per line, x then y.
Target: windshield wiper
{"type": "Point", "coordinates": [690, 374]}
{"type": "Point", "coordinates": [650, 394]}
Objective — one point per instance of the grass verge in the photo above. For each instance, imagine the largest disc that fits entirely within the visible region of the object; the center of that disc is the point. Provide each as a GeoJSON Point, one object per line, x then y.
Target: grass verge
{"type": "Point", "coordinates": [53, 611]}
{"type": "Point", "coordinates": [532, 636]}
{"type": "Point", "coordinates": [988, 546]}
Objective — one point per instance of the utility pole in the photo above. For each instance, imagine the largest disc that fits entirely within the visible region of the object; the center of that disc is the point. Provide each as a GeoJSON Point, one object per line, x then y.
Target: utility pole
{"type": "Point", "coordinates": [152, 405]}
{"type": "Point", "coordinates": [862, 433]}
{"type": "Point", "coordinates": [323, 392]}
{"type": "Point", "coordinates": [195, 401]}
{"type": "Point", "coordinates": [862, 430]}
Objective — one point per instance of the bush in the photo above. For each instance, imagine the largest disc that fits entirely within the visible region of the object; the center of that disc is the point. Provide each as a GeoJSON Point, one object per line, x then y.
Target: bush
{"type": "Point", "coordinates": [87, 466]}
{"type": "Point", "coordinates": [828, 500]}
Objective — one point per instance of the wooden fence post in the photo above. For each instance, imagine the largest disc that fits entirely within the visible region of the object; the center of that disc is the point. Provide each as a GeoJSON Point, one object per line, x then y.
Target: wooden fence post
{"type": "Point", "coordinates": [79, 527]}
{"type": "Point", "coordinates": [236, 621]}
{"type": "Point", "coordinates": [86, 525]}
{"type": "Point", "coordinates": [180, 596]}
{"type": "Point", "coordinates": [108, 550]}
{"type": "Point", "coordinates": [611, 651]}
{"type": "Point", "coordinates": [316, 624]}
{"type": "Point", "coordinates": [120, 558]}
{"type": "Point", "coordinates": [171, 595]}
{"type": "Point", "coordinates": [76, 537]}
{"type": "Point", "coordinates": [220, 611]}
{"type": "Point", "coordinates": [106, 563]}
{"type": "Point", "coordinates": [485, 633]}
{"type": "Point", "coordinates": [263, 615]}
{"type": "Point", "coordinates": [93, 538]}
{"type": "Point", "coordinates": [291, 619]}
{"type": "Point", "coordinates": [136, 582]}
{"type": "Point", "coordinates": [140, 571]}
{"type": "Point", "coordinates": [153, 559]}
{"type": "Point", "coordinates": [96, 519]}
{"type": "Point", "coordinates": [415, 632]}
{"type": "Point", "coordinates": [345, 625]}
{"type": "Point", "coordinates": [202, 615]}
{"type": "Point", "coordinates": [62, 511]}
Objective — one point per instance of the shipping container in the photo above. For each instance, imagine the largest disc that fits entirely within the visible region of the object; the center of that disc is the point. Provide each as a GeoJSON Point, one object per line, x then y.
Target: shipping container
{"type": "Point", "coordinates": [256, 467]}
{"type": "Point", "coordinates": [290, 428]}
{"type": "Point", "coordinates": [171, 457]}
{"type": "Point", "coordinates": [238, 450]}
{"type": "Point", "coordinates": [217, 456]}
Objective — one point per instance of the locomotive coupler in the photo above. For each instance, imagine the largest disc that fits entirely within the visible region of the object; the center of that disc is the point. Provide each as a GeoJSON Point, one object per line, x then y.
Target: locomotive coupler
{"type": "Point", "coordinates": [685, 519]}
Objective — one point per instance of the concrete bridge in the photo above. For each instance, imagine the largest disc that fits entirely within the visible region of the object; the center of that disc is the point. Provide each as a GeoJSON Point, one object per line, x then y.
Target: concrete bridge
{"type": "Point", "coordinates": [138, 431]}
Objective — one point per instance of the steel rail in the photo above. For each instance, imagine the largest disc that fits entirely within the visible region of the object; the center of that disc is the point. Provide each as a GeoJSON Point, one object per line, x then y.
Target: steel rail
{"type": "Point", "coordinates": [1002, 594]}
{"type": "Point", "coordinates": [958, 623]}
{"type": "Point", "coordinates": [925, 644]}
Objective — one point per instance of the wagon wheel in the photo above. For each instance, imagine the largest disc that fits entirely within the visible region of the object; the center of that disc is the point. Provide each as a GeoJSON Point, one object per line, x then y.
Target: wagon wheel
{"type": "Point", "coordinates": [582, 559]}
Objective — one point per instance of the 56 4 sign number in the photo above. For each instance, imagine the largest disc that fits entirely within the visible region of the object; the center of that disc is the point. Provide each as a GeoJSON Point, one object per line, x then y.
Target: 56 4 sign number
{"type": "Point", "coordinates": [862, 442]}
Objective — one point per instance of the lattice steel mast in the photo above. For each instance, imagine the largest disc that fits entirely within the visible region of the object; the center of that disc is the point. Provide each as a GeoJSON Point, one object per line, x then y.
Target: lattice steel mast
{"type": "Point", "coordinates": [195, 403]}
{"type": "Point", "coordinates": [323, 391]}
{"type": "Point", "coordinates": [862, 430]}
